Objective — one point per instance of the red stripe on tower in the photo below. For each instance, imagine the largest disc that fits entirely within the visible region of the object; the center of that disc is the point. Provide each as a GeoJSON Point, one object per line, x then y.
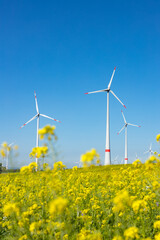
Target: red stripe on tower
{"type": "Point", "coordinates": [107, 150]}
{"type": "Point", "coordinates": [126, 158]}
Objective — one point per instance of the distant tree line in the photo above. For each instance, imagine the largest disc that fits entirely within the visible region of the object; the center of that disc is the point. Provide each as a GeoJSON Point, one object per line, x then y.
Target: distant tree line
{"type": "Point", "coordinates": [4, 170]}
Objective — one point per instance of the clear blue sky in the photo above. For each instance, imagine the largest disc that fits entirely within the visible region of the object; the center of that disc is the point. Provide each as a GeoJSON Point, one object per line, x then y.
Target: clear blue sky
{"type": "Point", "coordinates": [62, 49]}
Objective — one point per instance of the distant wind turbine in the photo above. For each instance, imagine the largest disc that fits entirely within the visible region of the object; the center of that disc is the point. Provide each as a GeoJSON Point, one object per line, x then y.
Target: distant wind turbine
{"type": "Point", "coordinates": [108, 90]}
{"type": "Point", "coordinates": [125, 126]}
{"type": "Point", "coordinates": [150, 151]}
{"type": "Point", "coordinates": [136, 157]}
{"type": "Point", "coordinates": [78, 163]}
{"type": "Point", "coordinates": [121, 162]}
{"type": "Point", "coordinates": [7, 155]}
{"type": "Point", "coordinates": [38, 116]}
{"type": "Point", "coordinates": [115, 161]}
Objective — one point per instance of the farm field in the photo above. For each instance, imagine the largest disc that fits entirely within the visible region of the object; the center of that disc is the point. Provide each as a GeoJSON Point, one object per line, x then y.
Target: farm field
{"type": "Point", "coordinates": [104, 202]}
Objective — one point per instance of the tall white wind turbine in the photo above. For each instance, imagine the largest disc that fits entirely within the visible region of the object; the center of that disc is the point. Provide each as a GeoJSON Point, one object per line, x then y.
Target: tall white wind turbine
{"type": "Point", "coordinates": [108, 90]}
{"type": "Point", "coordinates": [150, 150]}
{"type": "Point", "coordinates": [126, 145]}
{"type": "Point", "coordinates": [38, 116]}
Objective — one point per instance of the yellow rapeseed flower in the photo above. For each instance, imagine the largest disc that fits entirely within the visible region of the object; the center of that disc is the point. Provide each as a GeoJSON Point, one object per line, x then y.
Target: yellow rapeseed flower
{"type": "Point", "coordinates": [137, 163]}
{"type": "Point", "coordinates": [33, 226]}
{"type": "Point", "coordinates": [16, 147]}
{"type": "Point", "coordinates": [47, 131]}
{"type": "Point", "coordinates": [24, 237]}
{"type": "Point", "coordinates": [38, 152]}
{"type": "Point", "coordinates": [59, 166]}
{"type": "Point", "coordinates": [33, 166]}
{"type": "Point", "coordinates": [57, 206]}
{"type": "Point", "coordinates": [158, 137]}
{"type": "Point", "coordinates": [5, 145]}
{"type": "Point", "coordinates": [75, 168]}
{"type": "Point", "coordinates": [117, 238]}
{"type": "Point", "coordinates": [157, 224]}
{"type": "Point", "coordinates": [65, 237]}
{"type": "Point", "coordinates": [24, 169]}
{"type": "Point", "coordinates": [93, 151]}
{"type": "Point", "coordinates": [3, 154]}
{"type": "Point", "coordinates": [157, 236]}
{"type": "Point", "coordinates": [121, 201]}
{"type": "Point", "coordinates": [10, 209]}
{"type": "Point", "coordinates": [139, 204]}
{"type": "Point", "coordinates": [131, 233]}
{"type": "Point", "coordinates": [98, 161]}
{"type": "Point", "coordinates": [42, 131]}
{"type": "Point", "coordinates": [89, 157]}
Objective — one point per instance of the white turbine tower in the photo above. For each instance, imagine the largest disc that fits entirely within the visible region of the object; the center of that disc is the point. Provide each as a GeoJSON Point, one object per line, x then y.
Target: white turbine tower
{"type": "Point", "coordinates": [7, 155]}
{"type": "Point", "coordinates": [125, 126]}
{"type": "Point", "coordinates": [38, 116]}
{"type": "Point", "coordinates": [150, 151]}
{"type": "Point", "coordinates": [108, 90]}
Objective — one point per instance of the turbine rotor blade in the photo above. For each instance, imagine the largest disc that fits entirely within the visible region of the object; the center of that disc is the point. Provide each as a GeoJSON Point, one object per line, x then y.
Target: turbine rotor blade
{"type": "Point", "coordinates": [146, 152]}
{"type": "Point", "coordinates": [29, 121]}
{"type": "Point", "coordinates": [133, 125]}
{"type": "Point", "coordinates": [150, 146]}
{"type": "Point", "coordinates": [103, 90]}
{"type": "Point", "coordinates": [10, 144]}
{"type": "Point", "coordinates": [109, 85]}
{"type": "Point", "coordinates": [49, 117]}
{"type": "Point", "coordinates": [117, 98]}
{"type": "Point", "coordinates": [36, 102]}
{"type": "Point", "coordinates": [121, 130]}
{"type": "Point", "coordinates": [123, 116]}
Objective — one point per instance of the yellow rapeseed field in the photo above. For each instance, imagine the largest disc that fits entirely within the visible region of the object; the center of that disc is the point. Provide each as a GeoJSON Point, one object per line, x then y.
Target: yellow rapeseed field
{"type": "Point", "coordinates": [93, 203]}
{"type": "Point", "coordinates": [119, 202]}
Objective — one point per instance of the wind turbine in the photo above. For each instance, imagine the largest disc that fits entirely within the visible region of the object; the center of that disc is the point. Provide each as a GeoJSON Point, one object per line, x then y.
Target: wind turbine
{"type": "Point", "coordinates": [121, 162]}
{"type": "Point", "coordinates": [150, 150]}
{"type": "Point", "coordinates": [38, 116]}
{"type": "Point", "coordinates": [115, 161]}
{"type": "Point", "coordinates": [108, 90]}
{"type": "Point", "coordinates": [7, 155]}
{"type": "Point", "coordinates": [137, 157]}
{"type": "Point", "coordinates": [125, 126]}
{"type": "Point", "coordinates": [78, 163]}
